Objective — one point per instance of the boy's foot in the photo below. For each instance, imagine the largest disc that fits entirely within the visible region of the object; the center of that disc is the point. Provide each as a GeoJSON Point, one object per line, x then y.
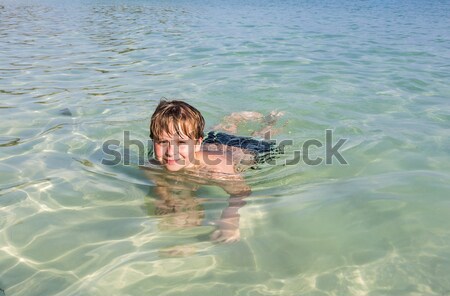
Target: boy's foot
{"type": "Point", "coordinates": [273, 116]}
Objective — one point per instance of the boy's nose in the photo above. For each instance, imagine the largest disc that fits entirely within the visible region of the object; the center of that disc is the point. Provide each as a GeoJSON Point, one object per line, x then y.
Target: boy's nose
{"type": "Point", "coordinates": [170, 149]}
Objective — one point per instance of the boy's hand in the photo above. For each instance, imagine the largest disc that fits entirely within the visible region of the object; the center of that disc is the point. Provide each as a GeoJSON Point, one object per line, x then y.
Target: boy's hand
{"type": "Point", "coordinates": [228, 231]}
{"type": "Point", "coordinates": [226, 236]}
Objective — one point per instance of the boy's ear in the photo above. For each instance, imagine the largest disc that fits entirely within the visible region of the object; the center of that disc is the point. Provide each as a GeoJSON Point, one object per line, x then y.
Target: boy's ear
{"type": "Point", "coordinates": [151, 149]}
{"type": "Point", "coordinates": [198, 144]}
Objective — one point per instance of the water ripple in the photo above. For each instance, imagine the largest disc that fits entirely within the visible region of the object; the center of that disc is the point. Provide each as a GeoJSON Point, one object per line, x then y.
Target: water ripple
{"type": "Point", "coordinates": [374, 73]}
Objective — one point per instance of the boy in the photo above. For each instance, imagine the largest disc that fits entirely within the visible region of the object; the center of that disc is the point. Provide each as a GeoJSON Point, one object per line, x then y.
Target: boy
{"type": "Point", "coordinates": [176, 129]}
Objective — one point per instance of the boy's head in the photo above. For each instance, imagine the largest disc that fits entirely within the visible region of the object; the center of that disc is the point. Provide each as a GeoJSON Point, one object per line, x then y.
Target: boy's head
{"type": "Point", "coordinates": [176, 117]}
{"type": "Point", "coordinates": [176, 129]}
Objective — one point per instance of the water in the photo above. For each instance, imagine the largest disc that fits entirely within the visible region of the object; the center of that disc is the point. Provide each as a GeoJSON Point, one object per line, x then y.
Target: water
{"type": "Point", "coordinates": [74, 74]}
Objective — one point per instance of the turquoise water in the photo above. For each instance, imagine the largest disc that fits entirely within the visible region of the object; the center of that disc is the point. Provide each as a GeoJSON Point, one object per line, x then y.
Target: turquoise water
{"type": "Point", "coordinates": [74, 74]}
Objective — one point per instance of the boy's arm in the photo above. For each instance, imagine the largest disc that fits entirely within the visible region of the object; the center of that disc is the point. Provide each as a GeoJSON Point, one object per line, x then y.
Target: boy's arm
{"type": "Point", "coordinates": [170, 198]}
{"type": "Point", "coordinates": [161, 192]}
{"type": "Point", "coordinates": [228, 231]}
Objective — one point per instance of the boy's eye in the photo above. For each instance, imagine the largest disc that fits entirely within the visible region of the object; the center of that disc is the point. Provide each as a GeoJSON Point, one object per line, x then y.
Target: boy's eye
{"type": "Point", "coordinates": [174, 142]}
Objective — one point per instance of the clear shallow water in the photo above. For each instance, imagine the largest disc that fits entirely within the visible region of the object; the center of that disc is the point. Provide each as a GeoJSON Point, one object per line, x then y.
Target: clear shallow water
{"type": "Point", "coordinates": [376, 73]}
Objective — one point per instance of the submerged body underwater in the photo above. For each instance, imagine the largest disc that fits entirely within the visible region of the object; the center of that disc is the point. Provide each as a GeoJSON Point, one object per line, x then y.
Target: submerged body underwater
{"type": "Point", "coordinates": [76, 74]}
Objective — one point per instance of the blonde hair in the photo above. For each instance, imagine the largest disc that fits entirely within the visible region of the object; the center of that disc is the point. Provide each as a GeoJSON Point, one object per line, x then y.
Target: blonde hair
{"type": "Point", "coordinates": [176, 117]}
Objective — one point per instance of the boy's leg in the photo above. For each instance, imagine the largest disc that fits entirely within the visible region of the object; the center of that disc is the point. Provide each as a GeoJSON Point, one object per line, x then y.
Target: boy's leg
{"type": "Point", "coordinates": [269, 121]}
{"type": "Point", "coordinates": [230, 123]}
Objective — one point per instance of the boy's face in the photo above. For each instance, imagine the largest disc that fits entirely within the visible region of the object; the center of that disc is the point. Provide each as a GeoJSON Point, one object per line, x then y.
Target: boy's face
{"type": "Point", "coordinates": [176, 151]}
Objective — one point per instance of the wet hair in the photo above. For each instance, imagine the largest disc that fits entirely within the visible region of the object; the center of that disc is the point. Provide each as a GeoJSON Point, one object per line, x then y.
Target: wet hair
{"type": "Point", "coordinates": [176, 117]}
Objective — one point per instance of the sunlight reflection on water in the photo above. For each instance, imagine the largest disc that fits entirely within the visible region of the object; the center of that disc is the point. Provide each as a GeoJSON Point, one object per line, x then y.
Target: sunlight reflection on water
{"type": "Point", "coordinates": [75, 74]}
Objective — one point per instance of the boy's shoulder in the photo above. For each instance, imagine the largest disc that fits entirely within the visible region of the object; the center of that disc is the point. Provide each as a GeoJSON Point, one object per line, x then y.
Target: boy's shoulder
{"type": "Point", "coordinates": [216, 161]}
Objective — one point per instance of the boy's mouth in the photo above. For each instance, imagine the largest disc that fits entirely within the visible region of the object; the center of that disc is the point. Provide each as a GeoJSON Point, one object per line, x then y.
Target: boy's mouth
{"type": "Point", "coordinates": [172, 161]}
